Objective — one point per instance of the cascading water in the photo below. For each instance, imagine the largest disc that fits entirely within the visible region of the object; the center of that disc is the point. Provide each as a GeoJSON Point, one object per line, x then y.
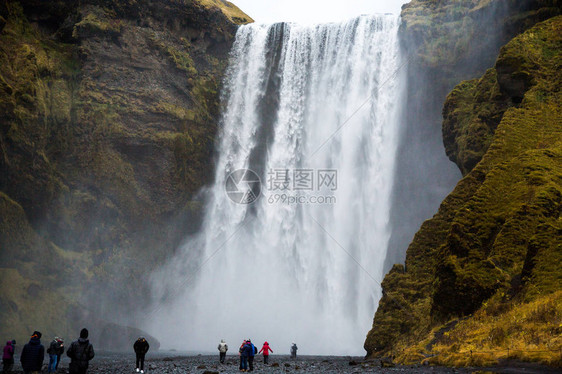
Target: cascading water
{"type": "Point", "coordinates": [307, 272]}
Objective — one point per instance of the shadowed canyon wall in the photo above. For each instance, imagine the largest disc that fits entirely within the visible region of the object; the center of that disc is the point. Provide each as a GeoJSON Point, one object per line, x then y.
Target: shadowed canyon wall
{"type": "Point", "coordinates": [108, 113]}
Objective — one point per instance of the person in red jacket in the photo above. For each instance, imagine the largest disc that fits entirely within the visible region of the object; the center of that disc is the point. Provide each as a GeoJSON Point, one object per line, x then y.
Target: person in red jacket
{"type": "Point", "coordinates": [8, 357]}
{"type": "Point", "coordinates": [266, 349]}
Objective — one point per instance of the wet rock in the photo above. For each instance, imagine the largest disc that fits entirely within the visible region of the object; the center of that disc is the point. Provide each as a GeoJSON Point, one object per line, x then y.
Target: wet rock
{"type": "Point", "coordinates": [386, 362]}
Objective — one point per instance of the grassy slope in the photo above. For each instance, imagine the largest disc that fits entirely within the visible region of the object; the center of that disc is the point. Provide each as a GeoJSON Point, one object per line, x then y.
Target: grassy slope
{"type": "Point", "coordinates": [496, 240]}
{"type": "Point", "coordinates": [232, 11]}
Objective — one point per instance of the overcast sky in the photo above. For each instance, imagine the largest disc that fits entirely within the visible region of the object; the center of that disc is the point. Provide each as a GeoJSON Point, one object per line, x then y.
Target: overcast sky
{"type": "Point", "coordinates": [314, 11]}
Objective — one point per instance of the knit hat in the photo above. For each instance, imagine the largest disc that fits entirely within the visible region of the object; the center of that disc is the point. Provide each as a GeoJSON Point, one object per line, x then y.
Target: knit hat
{"type": "Point", "coordinates": [84, 333]}
{"type": "Point", "coordinates": [36, 334]}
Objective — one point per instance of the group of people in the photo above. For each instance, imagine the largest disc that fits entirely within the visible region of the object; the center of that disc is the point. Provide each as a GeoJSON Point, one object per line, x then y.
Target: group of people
{"type": "Point", "coordinates": [33, 354]}
{"type": "Point", "coordinates": [248, 351]}
{"type": "Point", "coordinates": [80, 352]}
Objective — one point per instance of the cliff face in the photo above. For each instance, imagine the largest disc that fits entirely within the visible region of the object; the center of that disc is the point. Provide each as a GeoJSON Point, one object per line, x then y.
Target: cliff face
{"type": "Point", "coordinates": [445, 42]}
{"type": "Point", "coordinates": [483, 274]}
{"type": "Point", "coordinates": [108, 113]}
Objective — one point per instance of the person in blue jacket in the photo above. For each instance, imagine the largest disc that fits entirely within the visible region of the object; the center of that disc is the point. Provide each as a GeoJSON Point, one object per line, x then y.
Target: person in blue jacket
{"type": "Point", "coordinates": [33, 354]}
{"type": "Point", "coordinates": [251, 355]}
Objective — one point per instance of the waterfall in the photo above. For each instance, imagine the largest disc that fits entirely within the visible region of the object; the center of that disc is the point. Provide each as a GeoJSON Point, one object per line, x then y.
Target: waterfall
{"type": "Point", "coordinates": [314, 112]}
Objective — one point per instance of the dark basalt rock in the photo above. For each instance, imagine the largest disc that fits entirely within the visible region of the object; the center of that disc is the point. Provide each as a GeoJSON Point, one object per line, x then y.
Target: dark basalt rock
{"type": "Point", "coordinates": [513, 80]}
{"type": "Point", "coordinates": [109, 112]}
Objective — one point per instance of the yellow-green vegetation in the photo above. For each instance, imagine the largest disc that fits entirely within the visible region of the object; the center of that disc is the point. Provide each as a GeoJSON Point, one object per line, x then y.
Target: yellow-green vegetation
{"type": "Point", "coordinates": [490, 257]}
{"type": "Point", "coordinates": [468, 129]}
{"type": "Point", "coordinates": [96, 20]}
{"type": "Point", "coordinates": [229, 9]}
{"type": "Point", "coordinates": [501, 330]}
{"type": "Point", "coordinates": [180, 57]}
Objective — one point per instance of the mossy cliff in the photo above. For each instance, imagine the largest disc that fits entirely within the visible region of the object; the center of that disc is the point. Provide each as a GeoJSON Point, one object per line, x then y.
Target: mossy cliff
{"type": "Point", "coordinates": [108, 113]}
{"type": "Point", "coordinates": [445, 42]}
{"type": "Point", "coordinates": [483, 274]}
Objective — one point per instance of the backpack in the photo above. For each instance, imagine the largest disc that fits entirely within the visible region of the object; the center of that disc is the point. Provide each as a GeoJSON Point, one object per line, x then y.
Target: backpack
{"type": "Point", "coordinates": [255, 349]}
{"type": "Point", "coordinates": [80, 355]}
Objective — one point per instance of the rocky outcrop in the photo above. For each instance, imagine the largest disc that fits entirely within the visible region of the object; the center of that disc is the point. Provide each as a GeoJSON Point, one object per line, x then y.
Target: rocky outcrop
{"type": "Point", "coordinates": [482, 259]}
{"type": "Point", "coordinates": [109, 113]}
{"type": "Point", "coordinates": [445, 42]}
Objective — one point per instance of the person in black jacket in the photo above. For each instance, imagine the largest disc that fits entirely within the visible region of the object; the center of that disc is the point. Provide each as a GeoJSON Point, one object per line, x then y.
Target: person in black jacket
{"type": "Point", "coordinates": [141, 347]}
{"type": "Point", "coordinates": [60, 351]}
{"type": "Point", "coordinates": [52, 351]}
{"type": "Point", "coordinates": [80, 353]}
{"type": "Point", "coordinates": [33, 354]}
{"type": "Point", "coordinates": [252, 353]}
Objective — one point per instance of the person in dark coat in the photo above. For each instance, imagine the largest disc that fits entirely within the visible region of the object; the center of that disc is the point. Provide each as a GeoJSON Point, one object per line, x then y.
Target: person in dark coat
{"type": "Point", "coordinates": [80, 353]}
{"type": "Point", "coordinates": [251, 355]}
{"type": "Point", "coordinates": [141, 347]}
{"type": "Point", "coordinates": [60, 351]}
{"type": "Point", "coordinates": [8, 357]}
{"type": "Point", "coordinates": [33, 354]}
{"type": "Point", "coordinates": [294, 349]}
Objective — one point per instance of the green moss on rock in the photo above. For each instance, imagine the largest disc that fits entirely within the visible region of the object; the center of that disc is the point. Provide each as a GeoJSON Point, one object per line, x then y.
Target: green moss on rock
{"type": "Point", "coordinates": [493, 235]}
{"type": "Point", "coordinates": [96, 21]}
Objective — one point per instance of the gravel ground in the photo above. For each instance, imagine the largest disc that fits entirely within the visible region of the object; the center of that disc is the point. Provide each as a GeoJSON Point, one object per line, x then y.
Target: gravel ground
{"type": "Point", "coordinates": [172, 363]}
{"type": "Point", "coordinates": [277, 364]}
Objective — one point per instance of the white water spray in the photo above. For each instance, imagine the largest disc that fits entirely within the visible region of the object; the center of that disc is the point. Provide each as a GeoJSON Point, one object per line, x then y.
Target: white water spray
{"type": "Point", "coordinates": [309, 272]}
